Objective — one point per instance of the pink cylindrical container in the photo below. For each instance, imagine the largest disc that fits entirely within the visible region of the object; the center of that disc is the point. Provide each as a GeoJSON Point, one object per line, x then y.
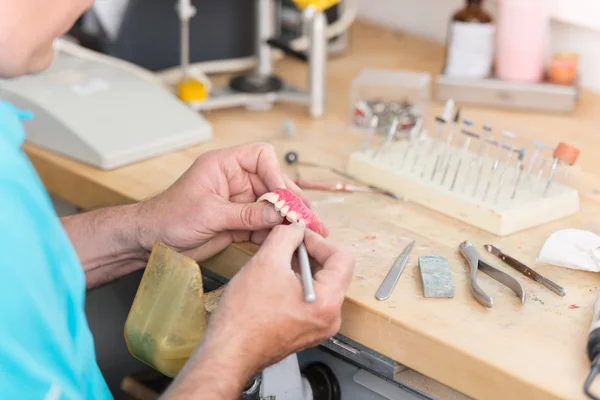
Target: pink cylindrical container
{"type": "Point", "coordinates": [522, 26]}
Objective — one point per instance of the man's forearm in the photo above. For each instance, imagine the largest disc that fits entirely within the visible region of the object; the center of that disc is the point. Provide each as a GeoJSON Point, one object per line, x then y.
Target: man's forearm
{"type": "Point", "coordinates": [107, 242]}
{"type": "Point", "coordinates": [214, 372]}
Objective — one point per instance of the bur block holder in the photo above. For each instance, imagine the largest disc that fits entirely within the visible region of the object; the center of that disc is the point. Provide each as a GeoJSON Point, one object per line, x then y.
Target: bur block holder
{"type": "Point", "coordinates": [395, 170]}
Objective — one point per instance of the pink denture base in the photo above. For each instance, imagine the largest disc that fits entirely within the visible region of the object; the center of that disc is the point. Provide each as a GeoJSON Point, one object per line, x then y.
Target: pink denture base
{"type": "Point", "coordinates": [293, 208]}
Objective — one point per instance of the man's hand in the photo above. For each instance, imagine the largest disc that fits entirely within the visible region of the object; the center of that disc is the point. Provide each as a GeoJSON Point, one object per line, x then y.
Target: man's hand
{"type": "Point", "coordinates": [262, 316]}
{"type": "Point", "coordinates": [213, 204]}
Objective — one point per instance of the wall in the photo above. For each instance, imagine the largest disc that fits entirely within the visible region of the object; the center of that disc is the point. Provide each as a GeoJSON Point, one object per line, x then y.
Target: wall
{"type": "Point", "coordinates": [429, 18]}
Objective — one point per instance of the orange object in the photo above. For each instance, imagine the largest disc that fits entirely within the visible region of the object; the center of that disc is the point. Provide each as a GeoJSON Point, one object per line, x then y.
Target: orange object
{"type": "Point", "coordinates": [563, 68]}
{"type": "Point", "coordinates": [567, 153]}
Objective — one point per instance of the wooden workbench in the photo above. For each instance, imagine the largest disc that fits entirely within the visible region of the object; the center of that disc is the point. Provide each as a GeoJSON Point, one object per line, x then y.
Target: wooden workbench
{"type": "Point", "coordinates": [534, 351]}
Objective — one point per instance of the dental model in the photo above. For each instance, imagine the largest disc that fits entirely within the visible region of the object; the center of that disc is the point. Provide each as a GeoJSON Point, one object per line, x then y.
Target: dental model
{"type": "Point", "coordinates": [293, 208]}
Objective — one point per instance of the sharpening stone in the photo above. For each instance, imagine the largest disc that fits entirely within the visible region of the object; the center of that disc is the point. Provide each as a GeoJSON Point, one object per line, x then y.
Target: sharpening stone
{"type": "Point", "coordinates": [436, 277]}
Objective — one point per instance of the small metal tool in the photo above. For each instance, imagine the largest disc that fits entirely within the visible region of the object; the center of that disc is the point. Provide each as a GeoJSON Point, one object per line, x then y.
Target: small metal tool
{"type": "Point", "coordinates": [566, 153]}
{"type": "Point", "coordinates": [291, 158]}
{"type": "Point", "coordinates": [420, 143]}
{"type": "Point", "coordinates": [386, 288]}
{"type": "Point", "coordinates": [525, 270]}
{"type": "Point", "coordinates": [443, 119]}
{"type": "Point", "coordinates": [593, 350]}
{"type": "Point", "coordinates": [465, 148]}
{"type": "Point", "coordinates": [414, 135]}
{"type": "Point", "coordinates": [487, 145]}
{"type": "Point", "coordinates": [436, 143]}
{"type": "Point", "coordinates": [305, 272]}
{"type": "Point", "coordinates": [539, 146]}
{"type": "Point", "coordinates": [511, 152]}
{"type": "Point", "coordinates": [492, 173]}
{"type": "Point", "coordinates": [389, 137]}
{"type": "Point", "coordinates": [449, 152]}
{"type": "Point", "coordinates": [520, 167]}
{"type": "Point", "coordinates": [519, 173]}
{"type": "Point", "coordinates": [328, 186]}
{"type": "Point", "coordinates": [372, 130]}
{"type": "Point", "coordinates": [469, 252]}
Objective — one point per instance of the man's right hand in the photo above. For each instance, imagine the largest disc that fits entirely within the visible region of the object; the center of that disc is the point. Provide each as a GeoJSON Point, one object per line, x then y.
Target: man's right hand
{"type": "Point", "coordinates": [262, 316]}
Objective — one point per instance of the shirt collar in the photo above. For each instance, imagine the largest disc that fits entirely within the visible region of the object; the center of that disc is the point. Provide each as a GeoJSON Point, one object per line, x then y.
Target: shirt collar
{"type": "Point", "coordinates": [11, 128]}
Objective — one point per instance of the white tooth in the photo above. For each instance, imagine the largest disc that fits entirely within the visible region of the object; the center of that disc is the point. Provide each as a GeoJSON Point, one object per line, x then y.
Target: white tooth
{"type": "Point", "coordinates": [279, 205]}
{"type": "Point", "coordinates": [292, 216]}
{"type": "Point", "coordinates": [270, 197]}
{"type": "Point", "coordinates": [284, 210]}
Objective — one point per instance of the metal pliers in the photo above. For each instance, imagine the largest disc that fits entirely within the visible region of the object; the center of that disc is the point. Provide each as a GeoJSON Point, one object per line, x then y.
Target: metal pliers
{"type": "Point", "coordinates": [469, 252]}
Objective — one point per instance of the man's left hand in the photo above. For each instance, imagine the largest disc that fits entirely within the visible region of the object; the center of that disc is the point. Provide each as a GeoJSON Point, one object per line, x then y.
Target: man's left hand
{"type": "Point", "coordinates": [213, 204]}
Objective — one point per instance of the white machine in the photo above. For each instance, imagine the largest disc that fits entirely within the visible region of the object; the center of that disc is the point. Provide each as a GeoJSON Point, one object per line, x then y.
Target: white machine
{"type": "Point", "coordinates": [101, 111]}
{"type": "Point", "coordinates": [262, 88]}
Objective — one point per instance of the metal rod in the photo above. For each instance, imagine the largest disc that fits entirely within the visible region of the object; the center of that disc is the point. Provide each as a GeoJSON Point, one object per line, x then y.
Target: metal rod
{"type": "Point", "coordinates": [492, 172]}
{"type": "Point", "coordinates": [464, 150]}
{"type": "Point", "coordinates": [551, 176]}
{"type": "Point", "coordinates": [389, 137]}
{"type": "Point", "coordinates": [306, 273]}
{"type": "Point", "coordinates": [317, 61]}
{"type": "Point", "coordinates": [372, 130]}
{"type": "Point", "coordinates": [519, 173]}
{"type": "Point", "coordinates": [263, 33]}
{"type": "Point", "coordinates": [482, 144]}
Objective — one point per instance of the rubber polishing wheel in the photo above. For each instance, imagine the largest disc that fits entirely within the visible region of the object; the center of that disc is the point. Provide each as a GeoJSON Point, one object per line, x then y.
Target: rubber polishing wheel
{"type": "Point", "coordinates": [323, 382]}
{"type": "Point", "coordinates": [256, 84]}
{"type": "Point", "coordinates": [566, 153]}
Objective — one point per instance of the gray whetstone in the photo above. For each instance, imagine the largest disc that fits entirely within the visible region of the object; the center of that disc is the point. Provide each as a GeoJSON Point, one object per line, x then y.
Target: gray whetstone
{"type": "Point", "coordinates": [436, 277]}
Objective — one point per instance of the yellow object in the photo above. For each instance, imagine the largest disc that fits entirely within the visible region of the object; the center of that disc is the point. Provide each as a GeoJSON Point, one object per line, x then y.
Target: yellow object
{"type": "Point", "coordinates": [191, 90]}
{"type": "Point", "coordinates": [319, 5]}
{"type": "Point", "coordinates": [167, 318]}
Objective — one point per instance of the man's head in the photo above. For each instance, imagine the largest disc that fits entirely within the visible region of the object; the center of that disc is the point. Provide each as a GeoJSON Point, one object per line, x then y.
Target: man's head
{"type": "Point", "coordinates": [28, 28]}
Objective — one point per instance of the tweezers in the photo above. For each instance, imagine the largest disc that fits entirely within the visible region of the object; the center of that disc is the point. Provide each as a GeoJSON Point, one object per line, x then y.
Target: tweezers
{"type": "Point", "coordinates": [469, 252]}
{"type": "Point", "coordinates": [525, 270]}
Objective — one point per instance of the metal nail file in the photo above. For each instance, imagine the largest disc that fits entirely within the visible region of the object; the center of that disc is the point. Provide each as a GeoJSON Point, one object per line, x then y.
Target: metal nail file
{"type": "Point", "coordinates": [386, 288]}
{"type": "Point", "coordinates": [525, 270]}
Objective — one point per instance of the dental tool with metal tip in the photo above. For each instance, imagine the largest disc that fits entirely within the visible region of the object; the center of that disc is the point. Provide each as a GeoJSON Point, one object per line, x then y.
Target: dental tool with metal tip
{"type": "Point", "coordinates": [465, 149]}
{"type": "Point", "coordinates": [520, 168]}
{"type": "Point", "coordinates": [440, 156]}
{"type": "Point", "coordinates": [487, 145]}
{"type": "Point", "coordinates": [306, 274]}
{"type": "Point", "coordinates": [440, 161]}
{"type": "Point", "coordinates": [420, 145]}
{"type": "Point", "coordinates": [539, 146]}
{"type": "Point", "coordinates": [566, 153]}
{"type": "Point", "coordinates": [389, 137]}
{"type": "Point", "coordinates": [372, 130]}
{"type": "Point", "coordinates": [525, 270]}
{"type": "Point", "coordinates": [506, 135]}
{"type": "Point", "coordinates": [511, 152]}
{"type": "Point", "coordinates": [386, 288]}
{"type": "Point", "coordinates": [441, 122]}
{"type": "Point", "coordinates": [449, 158]}
{"type": "Point", "coordinates": [414, 135]}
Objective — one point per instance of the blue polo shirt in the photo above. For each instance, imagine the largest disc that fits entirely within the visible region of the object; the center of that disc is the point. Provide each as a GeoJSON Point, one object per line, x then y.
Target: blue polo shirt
{"type": "Point", "coordinates": [46, 347]}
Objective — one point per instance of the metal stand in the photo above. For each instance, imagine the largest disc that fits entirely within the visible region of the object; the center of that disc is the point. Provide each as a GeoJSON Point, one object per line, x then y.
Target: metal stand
{"type": "Point", "coordinates": [262, 88]}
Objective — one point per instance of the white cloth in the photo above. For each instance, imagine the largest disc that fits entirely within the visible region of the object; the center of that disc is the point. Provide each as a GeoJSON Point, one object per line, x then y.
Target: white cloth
{"type": "Point", "coordinates": [573, 249]}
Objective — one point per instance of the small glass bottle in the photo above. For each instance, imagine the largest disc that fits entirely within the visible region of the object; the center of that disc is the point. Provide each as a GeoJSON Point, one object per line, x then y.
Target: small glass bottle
{"type": "Point", "coordinates": [470, 44]}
